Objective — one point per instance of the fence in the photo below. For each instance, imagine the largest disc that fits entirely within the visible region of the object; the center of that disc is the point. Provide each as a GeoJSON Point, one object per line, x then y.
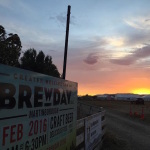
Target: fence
{"type": "Point", "coordinates": [85, 110]}
{"type": "Point", "coordinates": [90, 129]}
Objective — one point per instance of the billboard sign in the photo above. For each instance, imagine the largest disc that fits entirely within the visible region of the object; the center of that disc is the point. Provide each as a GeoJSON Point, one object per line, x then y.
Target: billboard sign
{"type": "Point", "coordinates": [93, 131]}
{"type": "Point", "coordinates": [37, 112]}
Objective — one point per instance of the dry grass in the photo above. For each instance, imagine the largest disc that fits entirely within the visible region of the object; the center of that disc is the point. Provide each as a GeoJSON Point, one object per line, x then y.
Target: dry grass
{"type": "Point", "coordinates": [125, 108]}
{"type": "Point", "coordinates": [112, 142]}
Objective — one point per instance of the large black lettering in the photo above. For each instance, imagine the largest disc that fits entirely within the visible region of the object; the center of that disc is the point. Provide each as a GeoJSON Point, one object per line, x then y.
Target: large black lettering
{"type": "Point", "coordinates": [63, 98]}
{"type": "Point", "coordinates": [56, 97]}
{"type": "Point", "coordinates": [24, 96]}
{"type": "Point", "coordinates": [48, 93]}
{"type": "Point", "coordinates": [68, 96]}
{"type": "Point", "coordinates": [7, 92]}
{"type": "Point", "coordinates": [52, 123]}
{"type": "Point", "coordinates": [38, 96]}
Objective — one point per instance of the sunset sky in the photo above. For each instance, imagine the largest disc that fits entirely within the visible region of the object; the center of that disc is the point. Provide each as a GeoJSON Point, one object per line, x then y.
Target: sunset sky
{"type": "Point", "coordinates": [109, 40]}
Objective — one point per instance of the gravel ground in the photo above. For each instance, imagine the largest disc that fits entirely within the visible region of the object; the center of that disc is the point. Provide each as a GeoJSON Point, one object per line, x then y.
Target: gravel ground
{"type": "Point", "coordinates": [135, 134]}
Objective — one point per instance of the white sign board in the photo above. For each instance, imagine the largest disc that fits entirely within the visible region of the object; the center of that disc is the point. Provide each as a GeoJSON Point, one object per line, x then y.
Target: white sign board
{"type": "Point", "coordinates": [93, 131]}
{"type": "Point", "coordinates": [37, 112]}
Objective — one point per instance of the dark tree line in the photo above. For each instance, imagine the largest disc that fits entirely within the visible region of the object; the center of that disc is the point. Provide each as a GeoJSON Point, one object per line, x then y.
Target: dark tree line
{"type": "Point", "coordinates": [10, 50]}
{"type": "Point", "coordinates": [38, 63]}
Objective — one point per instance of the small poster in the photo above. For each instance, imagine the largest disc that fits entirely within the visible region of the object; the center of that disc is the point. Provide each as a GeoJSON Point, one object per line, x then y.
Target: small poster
{"type": "Point", "coordinates": [93, 131]}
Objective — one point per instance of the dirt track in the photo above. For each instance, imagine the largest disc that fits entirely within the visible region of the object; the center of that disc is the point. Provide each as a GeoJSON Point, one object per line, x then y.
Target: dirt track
{"type": "Point", "coordinates": [135, 133]}
{"type": "Point", "coordinates": [131, 133]}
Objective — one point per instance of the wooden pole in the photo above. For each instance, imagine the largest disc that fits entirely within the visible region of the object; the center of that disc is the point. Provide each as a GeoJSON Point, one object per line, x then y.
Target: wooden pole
{"type": "Point", "coordinates": [66, 42]}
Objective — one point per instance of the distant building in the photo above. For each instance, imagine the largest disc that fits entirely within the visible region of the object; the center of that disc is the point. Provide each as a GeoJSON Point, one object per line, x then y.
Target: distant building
{"type": "Point", "coordinates": [106, 97]}
{"type": "Point", "coordinates": [146, 97]}
{"type": "Point", "coordinates": [120, 96]}
{"type": "Point", "coordinates": [102, 97]}
{"type": "Point", "coordinates": [126, 97]}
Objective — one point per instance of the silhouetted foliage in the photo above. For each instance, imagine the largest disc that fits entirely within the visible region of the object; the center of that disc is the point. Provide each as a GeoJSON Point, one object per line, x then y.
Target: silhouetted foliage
{"type": "Point", "coordinates": [28, 61]}
{"type": "Point", "coordinates": [38, 63]}
{"type": "Point", "coordinates": [10, 48]}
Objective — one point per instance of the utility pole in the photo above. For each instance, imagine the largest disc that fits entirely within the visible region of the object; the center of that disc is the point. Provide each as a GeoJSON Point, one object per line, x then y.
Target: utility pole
{"type": "Point", "coordinates": [66, 42]}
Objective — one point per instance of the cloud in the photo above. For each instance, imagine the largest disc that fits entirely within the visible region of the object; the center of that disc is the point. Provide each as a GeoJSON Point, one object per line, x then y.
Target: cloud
{"type": "Point", "coordinates": [137, 38]}
{"type": "Point", "coordinates": [135, 34]}
{"type": "Point", "coordinates": [147, 20]}
{"type": "Point", "coordinates": [115, 41]}
{"type": "Point", "coordinates": [88, 44]}
{"type": "Point", "coordinates": [138, 54]}
{"type": "Point", "coordinates": [143, 52]}
{"type": "Point", "coordinates": [123, 61]}
{"type": "Point", "coordinates": [62, 18]}
{"type": "Point", "coordinates": [133, 24]}
{"type": "Point", "coordinates": [141, 22]}
{"type": "Point", "coordinates": [91, 59]}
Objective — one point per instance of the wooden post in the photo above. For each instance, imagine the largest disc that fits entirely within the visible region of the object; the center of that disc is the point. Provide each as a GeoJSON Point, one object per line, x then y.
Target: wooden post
{"type": "Point", "coordinates": [66, 42]}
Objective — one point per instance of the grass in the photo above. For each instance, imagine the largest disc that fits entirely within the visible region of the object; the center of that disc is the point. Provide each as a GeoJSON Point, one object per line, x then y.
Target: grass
{"type": "Point", "coordinates": [124, 108]}
{"type": "Point", "coordinates": [112, 142]}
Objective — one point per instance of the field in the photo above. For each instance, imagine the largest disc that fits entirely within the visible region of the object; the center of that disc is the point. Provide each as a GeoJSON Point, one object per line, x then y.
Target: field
{"type": "Point", "coordinates": [138, 112]}
{"type": "Point", "coordinates": [127, 125]}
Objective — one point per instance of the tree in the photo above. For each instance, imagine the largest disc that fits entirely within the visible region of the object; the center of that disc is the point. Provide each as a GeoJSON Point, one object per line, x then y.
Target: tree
{"type": "Point", "coordinates": [10, 48]}
{"type": "Point", "coordinates": [38, 63]}
{"type": "Point", "coordinates": [28, 61]}
{"type": "Point", "coordinates": [50, 68]}
{"type": "Point", "coordinates": [2, 33]}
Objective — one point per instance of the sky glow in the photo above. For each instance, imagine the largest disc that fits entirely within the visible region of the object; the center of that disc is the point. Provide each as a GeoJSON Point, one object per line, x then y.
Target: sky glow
{"type": "Point", "coordinates": [109, 41]}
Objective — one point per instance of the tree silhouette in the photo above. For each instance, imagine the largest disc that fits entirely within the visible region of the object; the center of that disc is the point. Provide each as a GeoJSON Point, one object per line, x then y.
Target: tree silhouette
{"type": "Point", "coordinates": [2, 33]}
{"type": "Point", "coordinates": [10, 48]}
{"type": "Point", "coordinates": [38, 63]}
{"type": "Point", "coordinates": [28, 61]}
